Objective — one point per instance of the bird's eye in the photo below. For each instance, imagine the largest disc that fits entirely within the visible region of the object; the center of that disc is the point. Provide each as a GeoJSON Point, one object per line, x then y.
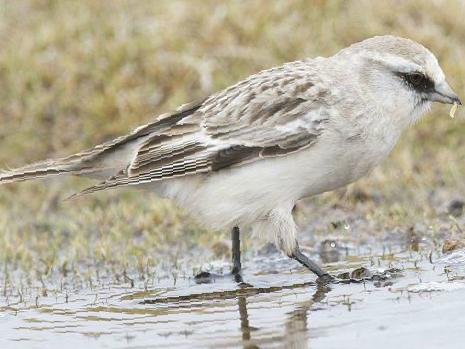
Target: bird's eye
{"type": "Point", "coordinates": [417, 80]}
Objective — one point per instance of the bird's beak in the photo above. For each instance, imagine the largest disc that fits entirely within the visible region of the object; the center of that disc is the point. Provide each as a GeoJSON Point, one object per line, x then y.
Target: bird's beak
{"type": "Point", "coordinates": [444, 94]}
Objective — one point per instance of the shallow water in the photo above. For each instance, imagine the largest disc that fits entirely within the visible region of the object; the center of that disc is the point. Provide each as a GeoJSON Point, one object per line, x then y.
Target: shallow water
{"type": "Point", "coordinates": [420, 306]}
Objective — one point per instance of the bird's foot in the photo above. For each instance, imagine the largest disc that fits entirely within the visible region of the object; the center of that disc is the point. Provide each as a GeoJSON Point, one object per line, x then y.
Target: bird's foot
{"type": "Point", "coordinates": [325, 279]}
{"type": "Point", "coordinates": [206, 277]}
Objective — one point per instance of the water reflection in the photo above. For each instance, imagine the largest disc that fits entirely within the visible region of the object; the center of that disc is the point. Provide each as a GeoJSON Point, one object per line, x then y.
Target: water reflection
{"type": "Point", "coordinates": [245, 291]}
{"type": "Point", "coordinates": [281, 309]}
{"type": "Point", "coordinates": [268, 305]}
{"type": "Point", "coordinates": [296, 332]}
{"type": "Point", "coordinates": [297, 321]}
{"type": "Point", "coordinates": [245, 327]}
{"type": "Point", "coordinates": [296, 327]}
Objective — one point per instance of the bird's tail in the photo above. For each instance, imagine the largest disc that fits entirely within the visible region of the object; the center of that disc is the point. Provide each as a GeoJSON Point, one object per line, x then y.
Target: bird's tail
{"type": "Point", "coordinates": [100, 162]}
{"type": "Point", "coordinates": [104, 160]}
{"type": "Point", "coordinates": [45, 169]}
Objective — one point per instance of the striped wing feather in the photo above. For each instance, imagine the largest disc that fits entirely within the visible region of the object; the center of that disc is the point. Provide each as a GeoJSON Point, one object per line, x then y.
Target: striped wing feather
{"type": "Point", "coordinates": [270, 114]}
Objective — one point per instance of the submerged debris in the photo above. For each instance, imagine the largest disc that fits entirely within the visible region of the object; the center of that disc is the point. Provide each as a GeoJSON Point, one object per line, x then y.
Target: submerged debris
{"type": "Point", "coordinates": [414, 237]}
{"type": "Point", "coordinates": [452, 245]}
{"type": "Point", "coordinates": [361, 273]}
{"type": "Point", "coordinates": [329, 252]}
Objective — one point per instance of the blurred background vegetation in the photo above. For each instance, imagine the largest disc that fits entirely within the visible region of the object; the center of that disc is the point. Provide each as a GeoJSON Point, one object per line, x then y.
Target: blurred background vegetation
{"type": "Point", "coordinates": [76, 73]}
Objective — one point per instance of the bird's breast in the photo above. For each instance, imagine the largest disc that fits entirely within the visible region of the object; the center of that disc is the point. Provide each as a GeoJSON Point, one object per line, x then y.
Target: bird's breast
{"type": "Point", "coordinates": [339, 160]}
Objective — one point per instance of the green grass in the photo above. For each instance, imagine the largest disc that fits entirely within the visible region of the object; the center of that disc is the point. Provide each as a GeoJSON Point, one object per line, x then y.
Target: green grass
{"type": "Point", "coordinates": [75, 73]}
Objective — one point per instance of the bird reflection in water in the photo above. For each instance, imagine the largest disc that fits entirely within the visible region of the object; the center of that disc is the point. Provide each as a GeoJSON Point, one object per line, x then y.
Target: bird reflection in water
{"type": "Point", "coordinates": [296, 334]}
{"type": "Point", "coordinates": [295, 324]}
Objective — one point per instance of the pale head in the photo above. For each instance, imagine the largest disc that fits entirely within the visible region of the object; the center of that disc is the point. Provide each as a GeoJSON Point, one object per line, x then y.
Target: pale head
{"type": "Point", "coordinates": [400, 75]}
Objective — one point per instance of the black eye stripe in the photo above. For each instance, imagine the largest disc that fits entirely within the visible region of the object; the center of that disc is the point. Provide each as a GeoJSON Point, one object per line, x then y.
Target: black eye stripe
{"type": "Point", "coordinates": [417, 81]}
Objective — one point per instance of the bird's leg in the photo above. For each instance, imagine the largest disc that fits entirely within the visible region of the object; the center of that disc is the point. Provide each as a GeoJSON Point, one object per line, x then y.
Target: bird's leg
{"type": "Point", "coordinates": [207, 277]}
{"type": "Point", "coordinates": [236, 251]}
{"type": "Point", "coordinates": [307, 262]}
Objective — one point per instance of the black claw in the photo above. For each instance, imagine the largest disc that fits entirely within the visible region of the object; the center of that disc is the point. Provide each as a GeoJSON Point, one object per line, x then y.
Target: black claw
{"type": "Point", "coordinates": [203, 274]}
{"type": "Point", "coordinates": [204, 277]}
{"type": "Point", "coordinates": [325, 279]}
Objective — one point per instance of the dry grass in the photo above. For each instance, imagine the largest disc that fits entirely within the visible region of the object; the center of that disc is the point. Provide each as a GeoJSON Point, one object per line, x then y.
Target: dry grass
{"type": "Point", "coordinates": [75, 73]}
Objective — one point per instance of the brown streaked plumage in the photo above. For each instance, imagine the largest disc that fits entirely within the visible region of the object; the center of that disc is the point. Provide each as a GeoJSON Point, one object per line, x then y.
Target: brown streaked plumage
{"type": "Point", "coordinates": [205, 136]}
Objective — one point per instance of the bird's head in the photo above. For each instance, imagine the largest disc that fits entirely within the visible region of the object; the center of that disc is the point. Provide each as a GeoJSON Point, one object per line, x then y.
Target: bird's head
{"type": "Point", "coordinates": [400, 75]}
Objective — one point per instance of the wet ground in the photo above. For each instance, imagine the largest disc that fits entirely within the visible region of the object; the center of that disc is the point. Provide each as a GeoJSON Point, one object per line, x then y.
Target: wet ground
{"type": "Point", "coordinates": [422, 304]}
{"type": "Point", "coordinates": [419, 304]}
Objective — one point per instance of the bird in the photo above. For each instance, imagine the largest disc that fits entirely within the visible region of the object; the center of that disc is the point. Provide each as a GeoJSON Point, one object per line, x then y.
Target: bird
{"type": "Point", "coordinates": [241, 158]}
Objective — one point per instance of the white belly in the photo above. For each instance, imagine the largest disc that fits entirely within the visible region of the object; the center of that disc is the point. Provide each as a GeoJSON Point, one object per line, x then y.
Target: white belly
{"type": "Point", "coordinates": [245, 194]}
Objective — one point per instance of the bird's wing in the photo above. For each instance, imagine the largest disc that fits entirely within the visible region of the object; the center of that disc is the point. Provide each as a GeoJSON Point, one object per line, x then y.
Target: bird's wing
{"type": "Point", "coordinates": [272, 113]}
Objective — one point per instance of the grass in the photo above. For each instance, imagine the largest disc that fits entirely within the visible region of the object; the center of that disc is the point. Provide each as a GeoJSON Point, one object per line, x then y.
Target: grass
{"type": "Point", "coordinates": [76, 73]}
